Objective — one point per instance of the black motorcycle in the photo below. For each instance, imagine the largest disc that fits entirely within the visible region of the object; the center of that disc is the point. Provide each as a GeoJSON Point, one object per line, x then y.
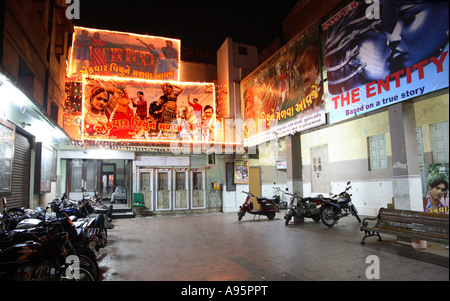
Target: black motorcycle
{"type": "Point", "coordinates": [336, 207]}
{"type": "Point", "coordinates": [41, 250]}
{"type": "Point", "coordinates": [301, 208]}
{"type": "Point", "coordinates": [84, 216]}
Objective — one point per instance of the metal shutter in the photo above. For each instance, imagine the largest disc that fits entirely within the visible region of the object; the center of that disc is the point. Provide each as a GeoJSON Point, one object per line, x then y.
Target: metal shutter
{"type": "Point", "coordinates": [20, 196]}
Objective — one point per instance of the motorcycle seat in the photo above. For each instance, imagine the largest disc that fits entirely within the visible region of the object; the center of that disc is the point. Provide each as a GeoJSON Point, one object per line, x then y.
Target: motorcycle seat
{"type": "Point", "coordinates": [274, 200]}
{"type": "Point", "coordinates": [100, 210]}
{"type": "Point", "coordinates": [263, 199]}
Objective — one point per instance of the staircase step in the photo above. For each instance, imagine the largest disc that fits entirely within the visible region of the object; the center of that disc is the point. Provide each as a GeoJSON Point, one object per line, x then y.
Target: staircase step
{"type": "Point", "coordinates": [120, 215]}
{"type": "Point", "coordinates": [122, 211]}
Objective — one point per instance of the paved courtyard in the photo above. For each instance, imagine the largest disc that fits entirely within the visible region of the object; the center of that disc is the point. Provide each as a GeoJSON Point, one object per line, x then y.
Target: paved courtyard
{"type": "Point", "coordinates": [216, 247]}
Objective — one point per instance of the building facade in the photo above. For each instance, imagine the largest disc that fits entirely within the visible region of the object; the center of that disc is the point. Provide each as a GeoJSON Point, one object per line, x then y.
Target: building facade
{"type": "Point", "coordinates": [34, 42]}
{"type": "Point", "coordinates": [386, 153]}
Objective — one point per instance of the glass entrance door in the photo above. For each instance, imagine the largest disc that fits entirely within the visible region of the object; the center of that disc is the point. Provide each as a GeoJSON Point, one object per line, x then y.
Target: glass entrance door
{"type": "Point", "coordinates": [198, 189]}
{"type": "Point", "coordinates": [76, 180]}
{"type": "Point", "coordinates": [181, 188]}
{"type": "Point", "coordinates": [145, 186]}
{"type": "Point", "coordinates": [83, 178]}
{"type": "Point", "coordinates": [163, 189]}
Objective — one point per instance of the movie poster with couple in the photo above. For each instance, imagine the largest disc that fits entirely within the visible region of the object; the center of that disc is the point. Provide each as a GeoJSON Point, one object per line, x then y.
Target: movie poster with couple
{"type": "Point", "coordinates": [285, 94]}
{"type": "Point", "coordinates": [385, 52]}
{"type": "Point", "coordinates": [116, 109]}
{"type": "Point", "coordinates": [112, 53]}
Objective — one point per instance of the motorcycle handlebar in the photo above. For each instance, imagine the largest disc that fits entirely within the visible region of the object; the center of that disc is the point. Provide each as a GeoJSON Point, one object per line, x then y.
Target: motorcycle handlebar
{"type": "Point", "coordinates": [293, 195]}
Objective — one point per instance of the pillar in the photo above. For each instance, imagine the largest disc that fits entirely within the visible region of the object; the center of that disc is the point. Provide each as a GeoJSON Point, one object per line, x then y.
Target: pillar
{"type": "Point", "coordinates": [406, 181]}
{"type": "Point", "coordinates": [294, 166]}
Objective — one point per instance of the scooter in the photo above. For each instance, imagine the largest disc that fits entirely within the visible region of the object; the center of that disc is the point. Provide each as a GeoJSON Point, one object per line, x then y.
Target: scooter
{"type": "Point", "coordinates": [301, 208]}
{"type": "Point", "coordinates": [281, 195]}
{"type": "Point", "coordinates": [268, 207]}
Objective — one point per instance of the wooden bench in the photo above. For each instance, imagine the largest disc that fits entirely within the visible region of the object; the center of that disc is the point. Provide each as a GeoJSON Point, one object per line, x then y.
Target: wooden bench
{"type": "Point", "coordinates": [412, 224]}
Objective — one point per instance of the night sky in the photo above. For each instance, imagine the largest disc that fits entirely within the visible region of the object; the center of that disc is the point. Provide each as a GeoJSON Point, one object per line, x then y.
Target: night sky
{"type": "Point", "coordinates": [198, 24]}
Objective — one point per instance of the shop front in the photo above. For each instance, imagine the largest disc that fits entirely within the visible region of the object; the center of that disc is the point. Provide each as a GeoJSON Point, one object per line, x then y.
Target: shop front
{"type": "Point", "coordinates": [164, 184]}
{"type": "Point", "coordinates": [101, 171]}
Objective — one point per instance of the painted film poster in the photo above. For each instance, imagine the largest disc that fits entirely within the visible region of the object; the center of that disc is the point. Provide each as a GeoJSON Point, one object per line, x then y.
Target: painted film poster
{"type": "Point", "coordinates": [285, 94]}
{"type": "Point", "coordinates": [134, 110]}
{"type": "Point", "coordinates": [241, 171]}
{"type": "Point", "coordinates": [383, 53]}
{"type": "Point", "coordinates": [108, 53]}
{"type": "Point", "coordinates": [437, 198]}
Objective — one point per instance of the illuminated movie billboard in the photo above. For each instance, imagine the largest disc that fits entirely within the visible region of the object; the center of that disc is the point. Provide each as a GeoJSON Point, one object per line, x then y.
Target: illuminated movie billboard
{"type": "Point", "coordinates": [384, 53]}
{"type": "Point", "coordinates": [111, 53]}
{"type": "Point", "coordinates": [285, 94]}
{"type": "Point", "coordinates": [124, 109]}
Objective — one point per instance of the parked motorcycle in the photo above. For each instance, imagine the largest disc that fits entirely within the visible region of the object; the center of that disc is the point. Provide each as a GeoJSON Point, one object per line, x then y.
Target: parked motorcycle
{"type": "Point", "coordinates": [301, 208]}
{"type": "Point", "coordinates": [84, 235]}
{"type": "Point", "coordinates": [79, 209]}
{"type": "Point", "coordinates": [83, 217]}
{"type": "Point", "coordinates": [336, 207]}
{"type": "Point", "coordinates": [100, 208]}
{"type": "Point", "coordinates": [268, 207]}
{"type": "Point", "coordinates": [40, 253]}
{"type": "Point", "coordinates": [280, 194]}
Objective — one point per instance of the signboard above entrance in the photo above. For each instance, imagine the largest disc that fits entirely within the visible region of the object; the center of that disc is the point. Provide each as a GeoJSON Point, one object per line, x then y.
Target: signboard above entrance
{"type": "Point", "coordinates": [162, 161]}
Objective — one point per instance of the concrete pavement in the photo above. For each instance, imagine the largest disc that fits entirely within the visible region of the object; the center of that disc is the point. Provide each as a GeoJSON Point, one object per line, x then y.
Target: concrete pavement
{"type": "Point", "coordinates": [216, 247]}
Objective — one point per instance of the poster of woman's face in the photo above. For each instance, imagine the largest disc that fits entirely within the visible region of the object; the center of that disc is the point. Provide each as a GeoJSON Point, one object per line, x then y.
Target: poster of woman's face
{"type": "Point", "coordinates": [385, 58]}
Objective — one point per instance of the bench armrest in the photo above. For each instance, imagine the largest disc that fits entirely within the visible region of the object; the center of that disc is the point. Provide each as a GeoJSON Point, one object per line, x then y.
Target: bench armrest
{"type": "Point", "coordinates": [365, 222]}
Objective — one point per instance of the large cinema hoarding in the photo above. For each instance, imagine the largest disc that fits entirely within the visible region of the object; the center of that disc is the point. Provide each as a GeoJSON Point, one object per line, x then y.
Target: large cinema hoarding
{"type": "Point", "coordinates": [375, 60]}
{"type": "Point", "coordinates": [285, 94]}
{"type": "Point", "coordinates": [133, 110]}
{"type": "Point", "coordinates": [120, 54]}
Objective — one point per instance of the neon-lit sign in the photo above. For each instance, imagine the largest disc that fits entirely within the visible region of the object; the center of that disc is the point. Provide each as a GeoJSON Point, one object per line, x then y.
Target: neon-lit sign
{"type": "Point", "coordinates": [119, 54]}
{"type": "Point", "coordinates": [126, 109]}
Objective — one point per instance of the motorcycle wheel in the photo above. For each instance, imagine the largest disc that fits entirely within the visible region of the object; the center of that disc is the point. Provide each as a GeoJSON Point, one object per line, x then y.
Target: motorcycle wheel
{"type": "Point", "coordinates": [287, 218]}
{"type": "Point", "coordinates": [101, 239]}
{"type": "Point", "coordinates": [240, 215]}
{"type": "Point", "coordinates": [326, 215]}
{"type": "Point", "coordinates": [271, 215]}
{"type": "Point", "coordinates": [88, 260]}
{"type": "Point", "coordinates": [84, 275]}
{"type": "Point", "coordinates": [316, 217]}
{"type": "Point", "coordinates": [353, 211]}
